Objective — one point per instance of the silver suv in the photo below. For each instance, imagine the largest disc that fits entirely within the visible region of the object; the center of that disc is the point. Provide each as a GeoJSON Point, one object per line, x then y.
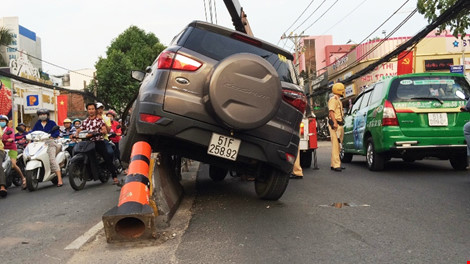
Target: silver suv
{"type": "Point", "coordinates": [224, 98]}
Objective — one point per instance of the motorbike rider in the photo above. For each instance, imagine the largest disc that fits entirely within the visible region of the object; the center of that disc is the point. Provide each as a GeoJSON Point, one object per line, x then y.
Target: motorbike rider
{"type": "Point", "coordinates": [67, 131]}
{"type": "Point", "coordinates": [114, 129]}
{"type": "Point", "coordinates": [3, 179]}
{"type": "Point", "coordinates": [77, 123]}
{"type": "Point", "coordinates": [93, 124]}
{"type": "Point", "coordinates": [20, 137]}
{"type": "Point", "coordinates": [45, 124]}
{"type": "Point", "coordinates": [8, 140]}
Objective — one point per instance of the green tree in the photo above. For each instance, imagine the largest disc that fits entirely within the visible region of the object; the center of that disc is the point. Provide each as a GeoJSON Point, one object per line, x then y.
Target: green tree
{"type": "Point", "coordinates": [6, 37]}
{"type": "Point", "coordinates": [134, 49]}
{"type": "Point", "coordinates": [434, 8]}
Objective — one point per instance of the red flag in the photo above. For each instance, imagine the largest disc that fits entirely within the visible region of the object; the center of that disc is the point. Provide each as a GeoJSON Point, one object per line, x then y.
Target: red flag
{"type": "Point", "coordinates": [61, 109]}
{"type": "Point", "coordinates": [405, 62]}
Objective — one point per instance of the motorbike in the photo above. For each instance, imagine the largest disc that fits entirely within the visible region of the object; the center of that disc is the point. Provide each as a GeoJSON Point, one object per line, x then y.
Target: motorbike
{"type": "Point", "coordinates": [36, 159]}
{"type": "Point", "coordinates": [86, 164]}
{"type": "Point", "coordinates": [7, 168]}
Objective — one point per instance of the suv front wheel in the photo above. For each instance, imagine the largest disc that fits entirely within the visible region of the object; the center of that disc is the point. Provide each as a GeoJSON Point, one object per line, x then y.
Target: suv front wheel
{"type": "Point", "coordinates": [271, 183]}
{"type": "Point", "coordinates": [375, 161]}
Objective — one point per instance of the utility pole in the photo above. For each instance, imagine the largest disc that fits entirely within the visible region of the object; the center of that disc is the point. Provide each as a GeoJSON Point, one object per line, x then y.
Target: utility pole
{"type": "Point", "coordinates": [296, 40]}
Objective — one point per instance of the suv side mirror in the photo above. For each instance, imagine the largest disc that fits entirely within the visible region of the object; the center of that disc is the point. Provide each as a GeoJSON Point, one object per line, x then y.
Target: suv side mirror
{"type": "Point", "coordinates": [138, 75]}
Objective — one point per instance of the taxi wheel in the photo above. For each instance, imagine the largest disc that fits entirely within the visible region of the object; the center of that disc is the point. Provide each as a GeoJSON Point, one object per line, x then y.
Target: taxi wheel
{"type": "Point", "coordinates": [459, 162]}
{"type": "Point", "coordinates": [375, 161]}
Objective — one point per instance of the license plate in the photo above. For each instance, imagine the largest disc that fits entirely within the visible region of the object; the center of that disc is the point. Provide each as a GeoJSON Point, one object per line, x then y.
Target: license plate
{"type": "Point", "coordinates": [223, 146]}
{"type": "Point", "coordinates": [437, 119]}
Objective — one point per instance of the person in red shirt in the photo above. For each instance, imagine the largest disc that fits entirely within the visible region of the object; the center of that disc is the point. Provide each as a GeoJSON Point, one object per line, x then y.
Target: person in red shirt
{"type": "Point", "coordinates": [8, 139]}
{"type": "Point", "coordinates": [115, 128]}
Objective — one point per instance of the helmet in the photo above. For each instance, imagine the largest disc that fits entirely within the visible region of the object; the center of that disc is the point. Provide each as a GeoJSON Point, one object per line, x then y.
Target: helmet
{"type": "Point", "coordinates": [67, 121]}
{"type": "Point", "coordinates": [76, 119]}
{"type": "Point", "coordinates": [98, 105]}
{"type": "Point", "coordinates": [22, 124]}
{"type": "Point", "coordinates": [111, 112]}
{"type": "Point", "coordinates": [338, 88]}
{"type": "Point", "coordinates": [42, 111]}
{"type": "Point", "coordinates": [4, 117]}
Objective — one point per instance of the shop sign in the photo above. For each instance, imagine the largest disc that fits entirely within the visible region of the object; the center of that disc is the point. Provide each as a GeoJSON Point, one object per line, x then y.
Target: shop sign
{"type": "Point", "coordinates": [439, 64]}
{"type": "Point", "coordinates": [381, 72]}
{"type": "Point", "coordinates": [456, 68]}
{"type": "Point", "coordinates": [457, 45]}
{"type": "Point", "coordinates": [320, 81]}
{"type": "Point", "coordinates": [349, 90]}
{"type": "Point", "coordinates": [467, 62]}
{"type": "Point", "coordinates": [33, 101]}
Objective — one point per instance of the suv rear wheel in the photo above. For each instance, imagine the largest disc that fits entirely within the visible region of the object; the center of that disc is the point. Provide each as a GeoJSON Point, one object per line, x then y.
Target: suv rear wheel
{"type": "Point", "coordinates": [271, 183]}
{"type": "Point", "coordinates": [375, 161]}
{"type": "Point", "coordinates": [244, 91]}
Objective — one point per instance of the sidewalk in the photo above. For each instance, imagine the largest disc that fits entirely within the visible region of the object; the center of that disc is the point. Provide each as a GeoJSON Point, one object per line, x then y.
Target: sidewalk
{"type": "Point", "coordinates": [160, 250]}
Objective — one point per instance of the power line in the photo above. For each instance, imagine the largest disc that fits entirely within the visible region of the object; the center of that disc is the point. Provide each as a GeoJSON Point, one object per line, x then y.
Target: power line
{"type": "Point", "coordinates": [314, 11]}
{"type": "Point", "coordinates": [205, 9]}
{"type": "Point", "coordinates": [50, 63]}
{"type": "Point", "coordinates": [386, 20]}
{"type": "Point", "coordinates": [321, 15]}
{"type": "Point", "coordinates": [215, 11]}
{"type": "Point", "coordinates": [352, 11]}
{"type": "Point", "coordinates": [296, 19]}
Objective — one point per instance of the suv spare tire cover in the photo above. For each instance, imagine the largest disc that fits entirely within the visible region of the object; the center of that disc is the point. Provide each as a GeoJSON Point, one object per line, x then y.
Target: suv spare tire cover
{"type": "Point", "coordinates": [245, 91]}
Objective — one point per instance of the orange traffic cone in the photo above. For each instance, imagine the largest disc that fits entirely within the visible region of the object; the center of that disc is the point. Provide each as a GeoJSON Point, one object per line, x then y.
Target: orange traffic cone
{"type": "Point", "coordinates": [133, 218]}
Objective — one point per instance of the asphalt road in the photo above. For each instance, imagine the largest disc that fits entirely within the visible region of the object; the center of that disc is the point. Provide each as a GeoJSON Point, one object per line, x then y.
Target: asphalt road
{"type": "Point", "coordinates": [37, 226]}
{"type": "Point", "coordinates": [410, 213]}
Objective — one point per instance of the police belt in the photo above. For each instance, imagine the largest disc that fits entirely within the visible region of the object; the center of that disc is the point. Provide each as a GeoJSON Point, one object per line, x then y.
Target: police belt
{"type": "Point", "coordinates": [340, 123]}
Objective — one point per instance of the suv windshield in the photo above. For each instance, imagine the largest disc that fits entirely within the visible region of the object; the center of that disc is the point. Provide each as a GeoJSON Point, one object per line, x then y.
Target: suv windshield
{"type": "Point", "coordinates": [218, 47]}
{"type": "Point", "coordinates": [440, 88]}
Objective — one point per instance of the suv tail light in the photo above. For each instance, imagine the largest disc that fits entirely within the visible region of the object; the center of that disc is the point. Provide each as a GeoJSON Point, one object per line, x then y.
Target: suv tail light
{"type": "Point", "coordinates": [246, 39]}
{"type": "Point", "coordinates": [296, 99]}
{"type": "Point", "coordinates": [149, 118]}
{"type": "Point", "coordinates": [302, 129]}
{"type": "Point", "coordinates": [389, 118]}
{"type": "Point", "coordinates": [175, 61]}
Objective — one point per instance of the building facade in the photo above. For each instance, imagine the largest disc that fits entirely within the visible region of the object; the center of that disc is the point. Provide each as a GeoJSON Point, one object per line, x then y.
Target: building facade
{"type": "Point", "coordinates": [435, 53]}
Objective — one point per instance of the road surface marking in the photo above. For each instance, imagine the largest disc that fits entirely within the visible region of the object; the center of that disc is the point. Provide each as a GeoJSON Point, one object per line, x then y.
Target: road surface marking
{"type": "Point", "coordinates": [81, 240]}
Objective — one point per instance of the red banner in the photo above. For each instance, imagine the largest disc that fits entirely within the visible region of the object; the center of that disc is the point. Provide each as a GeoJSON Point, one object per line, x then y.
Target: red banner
{"type": "Point", "coordinates": [61, 109]}
{"type": "Point", "coordinates": [405, 62]}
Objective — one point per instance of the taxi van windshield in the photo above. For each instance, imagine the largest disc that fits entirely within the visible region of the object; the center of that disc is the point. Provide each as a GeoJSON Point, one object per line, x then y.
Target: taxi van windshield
{"type": "Point", "coordinates": [442, 88]}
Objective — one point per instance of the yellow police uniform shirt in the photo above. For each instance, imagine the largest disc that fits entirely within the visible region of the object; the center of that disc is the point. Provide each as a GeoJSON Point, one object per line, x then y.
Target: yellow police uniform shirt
{"type": "Point", "coordinates": [335, 105]}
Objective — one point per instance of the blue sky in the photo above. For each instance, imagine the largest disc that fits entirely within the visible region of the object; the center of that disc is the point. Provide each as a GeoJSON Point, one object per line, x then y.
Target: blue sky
{"type": "Point", "coordinates": [75, 33]}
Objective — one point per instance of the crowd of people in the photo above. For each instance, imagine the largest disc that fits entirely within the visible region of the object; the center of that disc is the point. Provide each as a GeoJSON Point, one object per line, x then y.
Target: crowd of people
{"type": "Point", "coordinates": [99, 124]}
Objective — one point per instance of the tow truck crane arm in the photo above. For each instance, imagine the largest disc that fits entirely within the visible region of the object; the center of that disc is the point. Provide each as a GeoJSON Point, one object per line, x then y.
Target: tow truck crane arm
{"type": "Point", "coordinates": [238, 16]}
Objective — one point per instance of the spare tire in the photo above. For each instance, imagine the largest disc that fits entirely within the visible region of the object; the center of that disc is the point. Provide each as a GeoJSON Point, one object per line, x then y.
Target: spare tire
{"type": "Point", "coordinates": [244, 91]}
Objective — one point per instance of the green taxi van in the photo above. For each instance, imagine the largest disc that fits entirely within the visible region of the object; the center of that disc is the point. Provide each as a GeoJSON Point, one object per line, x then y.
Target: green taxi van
{"type": "Point", "coordinates": [412, 117]}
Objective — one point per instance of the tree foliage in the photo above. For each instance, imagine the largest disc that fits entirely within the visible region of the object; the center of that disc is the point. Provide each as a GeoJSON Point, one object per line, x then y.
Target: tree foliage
{"type": "Point", "coordinates": [434, 8]}
{"type": "Point", "coordinates": [6, 37]}
{"type": "Point", "coordinates": [131, 50]}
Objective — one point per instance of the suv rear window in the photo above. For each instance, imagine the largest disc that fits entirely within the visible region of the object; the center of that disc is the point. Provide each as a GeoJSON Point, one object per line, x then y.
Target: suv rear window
{"type": "Point", "coordinates": [218, 47]}
{"type": "Point", "coordinates": [428, 87]}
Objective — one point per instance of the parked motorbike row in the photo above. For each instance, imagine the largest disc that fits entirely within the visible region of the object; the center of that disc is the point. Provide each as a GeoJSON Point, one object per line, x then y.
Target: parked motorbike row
{"type": "Point", "coordinates": [84, 165]}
